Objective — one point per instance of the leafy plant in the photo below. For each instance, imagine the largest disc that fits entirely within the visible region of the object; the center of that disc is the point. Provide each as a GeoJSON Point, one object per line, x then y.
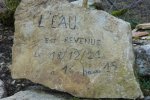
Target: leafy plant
{"type": "Point", "coordinates": [124, 11]}
{"type": "Point", "coordinates": [12, 4]}
{"type": "Point", "coordinates": [119, 12]}
{"type": "Point", "coordinates": [145, 84]}
{"type": "Point", "coordinates": [133, 22]}
{"type": "Point", "coordinates": [75, 98]}
{"type": "Point", "coordinates": [7, 17]}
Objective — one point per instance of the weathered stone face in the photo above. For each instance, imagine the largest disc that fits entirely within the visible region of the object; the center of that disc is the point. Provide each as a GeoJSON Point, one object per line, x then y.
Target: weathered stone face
{"type": "Point", "coordinates": [87, 53]}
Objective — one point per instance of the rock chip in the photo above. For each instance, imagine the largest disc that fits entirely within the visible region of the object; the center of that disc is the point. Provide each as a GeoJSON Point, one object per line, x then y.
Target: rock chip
{"type": "Point", "coordinates": [87, 53]}
{"type": "Point", "coordinates": [143, 59]}
{"type": "Point", "coordinates": [2, 89]}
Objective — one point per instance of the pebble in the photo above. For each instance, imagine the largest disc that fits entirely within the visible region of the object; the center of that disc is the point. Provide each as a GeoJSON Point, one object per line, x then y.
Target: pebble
{"type": "Point", "coordinates": [142, 54]}
{"type": "Point", "coordinates": [147, 98]}
{"type": "Point", "coordinates": [2, 89]}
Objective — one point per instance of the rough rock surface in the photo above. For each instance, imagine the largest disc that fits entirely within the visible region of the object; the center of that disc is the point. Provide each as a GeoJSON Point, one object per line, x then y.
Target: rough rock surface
{"type": "Point", "coordinates": [33, 95]}
{"type": "Point", "coordinates": [2, 89]}
{"type": "Point", "coordinates": [143, 59]}
{"type": "Point", "coordinates": [87, 53]}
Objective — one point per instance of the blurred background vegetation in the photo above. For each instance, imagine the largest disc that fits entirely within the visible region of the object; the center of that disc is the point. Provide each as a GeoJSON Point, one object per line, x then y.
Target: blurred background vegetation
{"type": "Point", "coordinates": [7, 15]}
{"type": "Point", "coordinates": [133, 11]}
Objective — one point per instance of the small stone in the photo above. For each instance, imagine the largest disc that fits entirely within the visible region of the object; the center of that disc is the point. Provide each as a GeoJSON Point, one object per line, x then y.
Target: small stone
{"type": "Point", "coordinates": [147, 98]}
{"type": "Point", "coordinates": [92, 4]}
{"type": "Point", "coordinates": [34, 95]}
{"type": "Point", "coordinates": [143, 26]}
{"type": "Point", "coordinates": [142, 54]}
{"type": "Point", "coordinates": [79, 2]}
{"type": "Point", "coordinates": [13, 82]}
{"type": "Point", "coordinates": [2, 6]}
{"type": "Point", "coordinates": [1, 38]}
{"type": "Point", "coordinates": [139, 34]}
{"type": "Point", "coordinates": [145, 38]}
{"type": "Point", "coordinates": [2, 89]}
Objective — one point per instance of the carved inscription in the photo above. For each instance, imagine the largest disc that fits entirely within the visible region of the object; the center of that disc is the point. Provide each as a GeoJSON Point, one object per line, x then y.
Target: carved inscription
{"type": "Point", "coordinates": [89, 70]}
{"type": "Point", "coordinates": [74, 54]}
{"type": "Point", "coordinates": [82, 40]}
{"type": "Point", "coordinates": [76, 40]}
{"type": "Point", "coordinates": [59, 21]}
{"type": "Point", "coordinates": [77, 55]}
{"type": "Point", "coordinates": [70, 54]}
{"type": "Point", "coordinates": [87, 55]}
{"type": "Point", "coordinates": [108, 67]}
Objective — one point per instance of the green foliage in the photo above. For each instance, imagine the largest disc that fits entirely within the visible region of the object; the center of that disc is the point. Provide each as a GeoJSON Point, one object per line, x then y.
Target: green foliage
{"type": "Point", "coordinates": [75, 98]}
{"type": "Point", "coordinates": [122, 14]}
{"type": "Point", "coordinates": [12, 4]}
{"type": "Point", "coordinates": [133, 22]}
{"type": "Point", "coordinates": [97, 6]}
{"type": "Point", "coordinates": [145, 83]}
{"type": "Point", "coordinates": [7, 17]}
{"type": "Point", "coordinates": [119, 12]}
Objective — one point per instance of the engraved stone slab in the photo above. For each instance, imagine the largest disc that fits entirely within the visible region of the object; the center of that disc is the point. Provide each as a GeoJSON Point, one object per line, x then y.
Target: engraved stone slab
{"type": "Point", "coordinates": [87, 53]}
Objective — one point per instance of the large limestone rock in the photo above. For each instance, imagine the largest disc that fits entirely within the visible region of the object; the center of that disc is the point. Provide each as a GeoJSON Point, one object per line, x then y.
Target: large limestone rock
{"type": "Point", "coordinates": [87, 53]}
